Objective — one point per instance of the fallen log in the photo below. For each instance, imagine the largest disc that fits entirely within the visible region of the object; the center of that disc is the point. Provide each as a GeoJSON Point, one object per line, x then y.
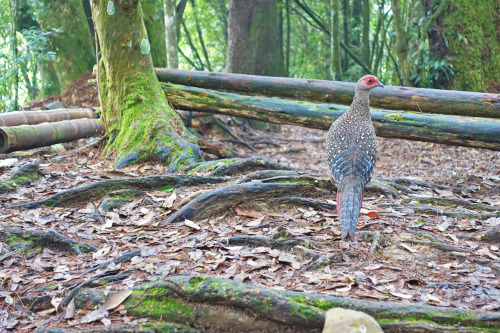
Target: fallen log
{"type": "Point", "coordinates": [473, 104]}
{"type": "Point", "coordinates": [33, 136]}
{"type": "Point", "coordinates": [17, 118]}
{"type": "Point", "coordinates": [444, 129]}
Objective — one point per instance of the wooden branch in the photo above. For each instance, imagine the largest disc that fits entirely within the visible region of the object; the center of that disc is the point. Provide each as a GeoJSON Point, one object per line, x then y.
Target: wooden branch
{"type": "Point", "coordinates": [444, 129]}
{"type": "Point", "coordinates": [449, 102]}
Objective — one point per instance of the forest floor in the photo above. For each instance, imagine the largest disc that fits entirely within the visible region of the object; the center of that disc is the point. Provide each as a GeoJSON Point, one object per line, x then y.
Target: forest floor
{"type": "Point", "coordinates": [424, 250]}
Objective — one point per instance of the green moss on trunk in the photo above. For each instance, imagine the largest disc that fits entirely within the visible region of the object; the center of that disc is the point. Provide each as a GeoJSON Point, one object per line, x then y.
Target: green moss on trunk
{"type": "Point", "coordinates": [471, 29]}
{"type": "Point", "coordinates": [141, 124]}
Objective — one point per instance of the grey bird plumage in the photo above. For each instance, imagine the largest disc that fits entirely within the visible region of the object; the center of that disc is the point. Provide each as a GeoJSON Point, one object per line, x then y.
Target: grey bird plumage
{"type": "Point", "coordinates": [351, 147]}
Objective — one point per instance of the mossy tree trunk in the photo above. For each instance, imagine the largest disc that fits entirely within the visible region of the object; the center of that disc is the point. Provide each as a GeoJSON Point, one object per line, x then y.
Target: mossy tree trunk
{"type": "Point", "coordinates": [471, 29]}
{"type": "Point", "coordinates": [155, 26]}
{"type": "Point", "coordinates": [141, 124]}
{"type": "Point", "coordinates": [73, 44]}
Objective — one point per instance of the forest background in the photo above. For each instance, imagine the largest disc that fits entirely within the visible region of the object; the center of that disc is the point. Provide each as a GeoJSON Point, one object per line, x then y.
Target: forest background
{"type": "Point", "coordinates": [46, 45]}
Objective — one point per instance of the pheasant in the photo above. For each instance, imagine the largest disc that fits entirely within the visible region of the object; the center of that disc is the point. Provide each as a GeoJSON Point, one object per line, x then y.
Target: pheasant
{"type": "Point", "coordinates": [351, 146]}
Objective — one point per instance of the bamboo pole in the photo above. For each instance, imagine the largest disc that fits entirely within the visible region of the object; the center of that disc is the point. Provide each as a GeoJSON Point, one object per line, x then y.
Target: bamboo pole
{"type": "Point", "coordinates": [32, 136]}
{"type": "Point", "coordinates": [451, 102]}
{"type": "Point", "coordinates": [444, 129]}
{"type": "Point", "coordinates": [36, 117]}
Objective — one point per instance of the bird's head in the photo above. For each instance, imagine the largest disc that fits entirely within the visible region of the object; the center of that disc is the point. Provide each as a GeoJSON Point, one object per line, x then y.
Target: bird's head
{"type": "Point", "coordinates": [368, 83]}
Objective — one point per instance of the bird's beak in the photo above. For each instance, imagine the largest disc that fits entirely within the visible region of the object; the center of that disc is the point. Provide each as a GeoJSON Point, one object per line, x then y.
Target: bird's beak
{"type": "Point", "coordinates": [380, 84]}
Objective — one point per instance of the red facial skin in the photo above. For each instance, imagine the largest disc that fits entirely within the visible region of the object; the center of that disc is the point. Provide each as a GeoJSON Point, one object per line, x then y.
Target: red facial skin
{"type": "Point", "coordinates": [370, 81]}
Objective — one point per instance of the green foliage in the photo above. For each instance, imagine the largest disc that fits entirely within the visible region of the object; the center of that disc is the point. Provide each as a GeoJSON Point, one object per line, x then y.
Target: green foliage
{"type": "Point", "coordinates": [32, 48]}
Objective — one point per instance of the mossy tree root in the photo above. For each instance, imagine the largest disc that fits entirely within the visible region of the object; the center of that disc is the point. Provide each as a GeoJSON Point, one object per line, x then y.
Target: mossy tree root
{"type": "Point", "coordinates": [222, 199]}
{"type": "Point", "coordinates": [488, 235]}
{"type": "Point", "coordinates": [245, 165]}
{"type": "Point", "coordinates": [26, 240]}
{"type": "Point", "coordinates": [426, 209]}
{"type": "Point", "coordinates": [282, 240]}
{"type": "Point", "coordinates": [23, 176]}
{"type": "Point", "coordinates": [225, 305]}
{"type": "Point", "coordinates": [453, 202]}
{"type": "Point", "coordinates": [99, 189]}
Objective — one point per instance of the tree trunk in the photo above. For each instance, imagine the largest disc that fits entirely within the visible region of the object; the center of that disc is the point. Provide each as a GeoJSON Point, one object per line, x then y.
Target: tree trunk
{"type": "Point", "coordinates": [253, 41]}
{"type": "Point", "coordinates": [155, 26]}
{"type": "Point", "coordinates": [171, 33]}
{"type": "Point", "coordinates": [366, 31]}
{"type": "Point", "coordinates": [13, 15]}
{"type": "Point", "coordinates": [395, 98]}
{"type": "Point", "coordinates": [401, 42]}
{"type": "Point", "coordinates": [471, 30]}
{"type": "Point", "coordinates": [140, 122]}
{"type": "Point", "coordinates": [73, 44]}
{"type": "Point", "coordinates": [335, 68]}
{"type": "Point", "coordinates": [444, 129]}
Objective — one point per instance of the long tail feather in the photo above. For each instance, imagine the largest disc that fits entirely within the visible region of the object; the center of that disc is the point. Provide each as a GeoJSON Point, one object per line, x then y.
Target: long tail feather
{"type": "Point", "coordinates": [349, 198]}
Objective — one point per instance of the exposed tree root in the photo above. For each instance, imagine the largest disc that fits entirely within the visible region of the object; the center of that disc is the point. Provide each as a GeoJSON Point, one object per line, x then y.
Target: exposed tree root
{"type": "Point", "coordinates": [437, 245]}
{"type": "Point", "coordinates": [297, 201]}
{"type": "Point", "coordinates": [97, 281]}
{"type": "Point", "coordinates": [221, 305]}
{"type": "Point", "coordinates": [323, 261]}
{"type": "Point", "coordinates": [418, 183]}
{"type": "Point", "coordinates": [121, 259]}
{"type": "Point", "coordinates": [280, 240]}
{"type": "Point", "coordinates": [24, 240]}
{"type": "Point", "coordinates": [246, 165]}
{"type": "Point", "coordinates": [23, 176]}
{"type": "Point", "coordinates": [375, 242]}
{"type": "Point", "coordinates": [425, 209]}
{"type": "Point", "coordinates": [266, 174]}
{"type": "Point", "coordinates": [489, 235]}
{"type": "Point", "coordinates": [223, 198]}
{"type": "Point", "coordinates": [97, 190]}
{"type": "Point", "coordinates": [453, 202]}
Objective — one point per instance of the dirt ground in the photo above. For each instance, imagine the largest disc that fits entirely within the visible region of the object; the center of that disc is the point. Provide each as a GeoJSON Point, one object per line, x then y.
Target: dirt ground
{"type": "Point", "coordinates": [405, 267]}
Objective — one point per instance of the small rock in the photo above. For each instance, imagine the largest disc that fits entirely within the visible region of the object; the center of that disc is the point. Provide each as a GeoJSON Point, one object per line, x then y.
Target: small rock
{"type": "Point", "coordinates": [350, 321]}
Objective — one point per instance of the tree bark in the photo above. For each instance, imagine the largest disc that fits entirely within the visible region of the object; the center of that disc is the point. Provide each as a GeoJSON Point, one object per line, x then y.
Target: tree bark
{"type": "Point", "coordinates": [171, 32]}
{"type": "Point", "coordinates": [335, 68]}
{"type": "Point", "coordinates": [471, 32]}
{"type": "Point", "coordinates": [13, 15]}
{"type": "Point", "coordinates": [73, 46]}
{"type": "Point", "coordinates": [401, 42]}
{"type": "Point", "coordinates": [444, 129]}
{"type": "Point", "coordinates": [155, 26]}
{"type": "Point", "coordinates": [394, 98]}
{"type": "Point", "coordinates": [141, 124]}
{"type": "Point", "coordinates": [253, 41]}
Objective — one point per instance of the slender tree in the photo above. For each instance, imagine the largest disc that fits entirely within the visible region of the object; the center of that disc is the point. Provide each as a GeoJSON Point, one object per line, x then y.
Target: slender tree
{"type": "Point", "coordinates": [171, 32]}
{"type": "Point", "coordinates": [401, 41]}
{"type": "Point", "coordinates": [155, 27]}
{"type": "Point", "coordinates": [336, 68]}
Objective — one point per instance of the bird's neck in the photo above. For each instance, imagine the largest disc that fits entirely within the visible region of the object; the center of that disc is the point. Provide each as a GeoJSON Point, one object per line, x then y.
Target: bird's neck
{"type": "Point", "coordinates": [361, 103]}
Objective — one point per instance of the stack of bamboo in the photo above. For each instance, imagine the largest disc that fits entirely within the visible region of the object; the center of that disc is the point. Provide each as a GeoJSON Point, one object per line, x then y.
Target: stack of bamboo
{"type": "Point", "coordinates": [21, 130]}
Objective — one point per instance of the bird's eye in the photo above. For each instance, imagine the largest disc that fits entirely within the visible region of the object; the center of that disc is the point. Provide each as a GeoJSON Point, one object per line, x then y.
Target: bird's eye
{"type": "Point", "coordinates": [370, 80]}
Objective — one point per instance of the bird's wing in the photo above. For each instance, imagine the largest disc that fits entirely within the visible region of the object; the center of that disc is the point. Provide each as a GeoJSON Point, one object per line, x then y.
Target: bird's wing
{"type": "Point", "coordinates": [349, 163]}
